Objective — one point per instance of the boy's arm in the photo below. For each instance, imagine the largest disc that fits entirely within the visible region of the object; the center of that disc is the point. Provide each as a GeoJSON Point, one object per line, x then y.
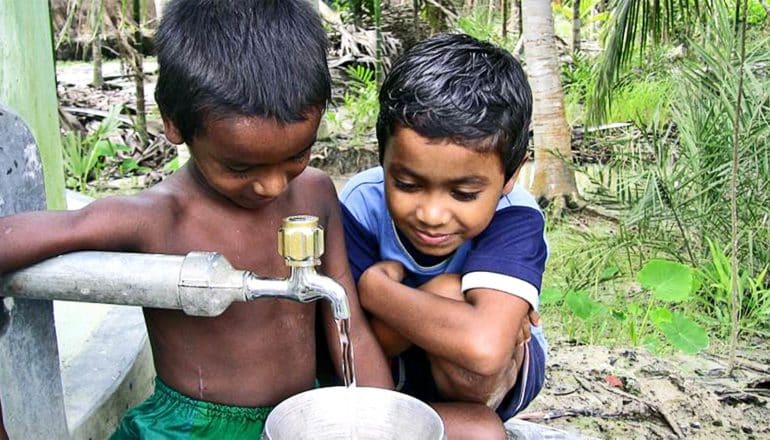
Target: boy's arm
{"type": "Point", "coordinates": [391, 341]}
{"type": "Point", "coordinates": [479, 334]}
{"type": "Point", "coordinates": [108, 224]}
{"type": "Point", "coordinates": [370, 364]}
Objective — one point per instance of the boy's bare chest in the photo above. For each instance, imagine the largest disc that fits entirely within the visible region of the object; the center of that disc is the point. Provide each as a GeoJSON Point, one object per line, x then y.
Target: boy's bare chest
{"type": "Point", "coordinates": [248, 240]}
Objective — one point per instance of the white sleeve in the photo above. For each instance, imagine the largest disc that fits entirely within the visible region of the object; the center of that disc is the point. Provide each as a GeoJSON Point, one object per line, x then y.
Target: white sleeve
{"type": "Point", "coordinates": [503, 283]}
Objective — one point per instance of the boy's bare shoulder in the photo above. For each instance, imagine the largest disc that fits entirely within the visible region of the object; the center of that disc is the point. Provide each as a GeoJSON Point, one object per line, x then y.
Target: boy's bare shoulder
{"type": "Point", "coordinates": [313, 192]}
{"type": "Point", "coordinates": [133, 222]}
{"type": "Point", "coordinates": [314, 182]}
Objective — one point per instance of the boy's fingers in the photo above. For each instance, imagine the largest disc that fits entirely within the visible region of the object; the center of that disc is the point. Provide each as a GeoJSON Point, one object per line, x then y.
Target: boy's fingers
{"type": "Point", "coordinates": [534, 317]}
{"type": "Point", "coordinates": [526, 332]}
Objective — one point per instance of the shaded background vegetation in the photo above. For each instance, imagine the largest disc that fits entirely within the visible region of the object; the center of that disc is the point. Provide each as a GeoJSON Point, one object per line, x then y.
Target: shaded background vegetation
{"type": "Point", "coordinates": [663, 240]}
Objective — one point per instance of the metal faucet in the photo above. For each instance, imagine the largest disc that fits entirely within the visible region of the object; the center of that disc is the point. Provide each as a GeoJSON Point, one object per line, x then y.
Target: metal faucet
{"type": "Point", "coordinates": [301, 243]}
{"type": "Point", "coordinates": [200, 283]}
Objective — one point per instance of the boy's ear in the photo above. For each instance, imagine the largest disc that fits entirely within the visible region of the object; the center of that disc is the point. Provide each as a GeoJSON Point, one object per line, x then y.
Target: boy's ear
{"type": "Point", "coordinates": [172, 133]}
{"type": "Point", "coordinates": [512, 181]}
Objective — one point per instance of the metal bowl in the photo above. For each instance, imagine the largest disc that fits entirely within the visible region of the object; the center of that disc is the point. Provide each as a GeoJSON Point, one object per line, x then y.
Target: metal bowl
{"type": "Point", "coordinates": [359, 413]}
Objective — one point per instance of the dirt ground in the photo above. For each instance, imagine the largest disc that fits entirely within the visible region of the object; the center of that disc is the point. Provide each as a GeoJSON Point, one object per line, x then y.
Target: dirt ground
{"type": "Point", "coordinates": [591, 391]}
{"type": "Point", "coordinates": [630, 393]}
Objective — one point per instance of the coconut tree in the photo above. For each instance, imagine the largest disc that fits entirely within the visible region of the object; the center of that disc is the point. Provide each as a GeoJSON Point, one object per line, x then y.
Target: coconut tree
{"type": "Point", "coordinates": [554, 179]}
{"type": "Point", "coordinates": [97, 27]}
{"type": "Point", "coordinates": [635, 25]}
{"type": "Point", "coordinates": [638, 23]}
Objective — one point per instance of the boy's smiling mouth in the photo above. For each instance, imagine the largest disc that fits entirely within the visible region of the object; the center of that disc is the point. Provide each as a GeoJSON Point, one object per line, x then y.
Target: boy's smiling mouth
{"type": "Point", "coordinates": [431, 238]}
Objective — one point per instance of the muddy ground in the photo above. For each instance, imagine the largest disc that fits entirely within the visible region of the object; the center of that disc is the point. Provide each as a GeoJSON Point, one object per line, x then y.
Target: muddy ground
{"type": "Point", "coordinates": [631, 393]}
{"type": "Point", "coordinates": [592, 391]}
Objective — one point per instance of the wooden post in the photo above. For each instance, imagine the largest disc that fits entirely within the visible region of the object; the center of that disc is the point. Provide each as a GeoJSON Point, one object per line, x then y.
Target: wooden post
{"type": "Point", "coordinates": [28, 83]}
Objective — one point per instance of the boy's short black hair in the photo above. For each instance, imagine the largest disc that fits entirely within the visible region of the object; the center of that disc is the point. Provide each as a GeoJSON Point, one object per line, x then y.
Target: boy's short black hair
{"type": "Point", "coordinates": [455, 87]}
{"type": "Point", "coordinates": [218, 58]}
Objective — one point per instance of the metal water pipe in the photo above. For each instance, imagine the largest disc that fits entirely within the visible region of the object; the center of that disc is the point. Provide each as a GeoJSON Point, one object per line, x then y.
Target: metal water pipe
{"type": "Point", "coordinates": [199, 283]}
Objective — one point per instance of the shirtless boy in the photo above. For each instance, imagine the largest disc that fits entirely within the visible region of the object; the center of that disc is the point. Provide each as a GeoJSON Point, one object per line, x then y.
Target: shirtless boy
{"type": "Point", "coordinates": [243, 83]}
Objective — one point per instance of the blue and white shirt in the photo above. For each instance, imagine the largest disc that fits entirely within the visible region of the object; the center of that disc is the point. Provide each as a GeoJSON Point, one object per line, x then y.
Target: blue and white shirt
{"type": "Point", "coordinates": [509, 255]}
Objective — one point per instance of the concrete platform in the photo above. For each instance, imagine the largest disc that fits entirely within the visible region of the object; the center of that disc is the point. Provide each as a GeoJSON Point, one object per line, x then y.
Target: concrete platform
{"type": "Point", "coordinates": [105, 358]}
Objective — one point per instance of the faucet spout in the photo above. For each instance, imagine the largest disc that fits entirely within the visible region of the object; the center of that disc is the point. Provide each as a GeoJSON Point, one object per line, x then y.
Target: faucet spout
{"type": "Point", "coordinates": [303, 285]}
{"type": "Point", "coordinates": [311, 286]}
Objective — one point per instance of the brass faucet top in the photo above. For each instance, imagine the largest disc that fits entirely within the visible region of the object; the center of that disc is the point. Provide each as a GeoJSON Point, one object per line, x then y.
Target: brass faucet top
{"type": "Point", "coordinates": [301, 240]}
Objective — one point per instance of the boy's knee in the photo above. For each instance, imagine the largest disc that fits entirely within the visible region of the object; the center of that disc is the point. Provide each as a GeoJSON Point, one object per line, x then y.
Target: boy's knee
{"type": "Point", "coordinates": [456, 383]}
{"type": "Point", "coordinates": [470, 421]}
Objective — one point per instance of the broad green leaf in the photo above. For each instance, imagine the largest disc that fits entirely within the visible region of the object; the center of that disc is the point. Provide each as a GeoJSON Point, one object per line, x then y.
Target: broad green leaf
{"type": "Point", "coordinates": [551, 295]}
{"type": "Point", "coordinates": [582, 305]}
{"type": "Point", "coordinates": [668, 280]}
{"type": "Point", "coordinates": [619, 315]}
{"type": "Point", "coordinates": [634, 309]}
{"type": "Point", "coordinates": [128, 165]}
{"type": "Point", "coordinates": [685, 334]}
{"type": "Point", "coordinates": [660, 315]}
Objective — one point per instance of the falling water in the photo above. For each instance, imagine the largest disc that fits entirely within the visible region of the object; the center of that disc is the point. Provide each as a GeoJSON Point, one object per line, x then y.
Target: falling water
{"type": "Point", "coordinates": [348, 368]}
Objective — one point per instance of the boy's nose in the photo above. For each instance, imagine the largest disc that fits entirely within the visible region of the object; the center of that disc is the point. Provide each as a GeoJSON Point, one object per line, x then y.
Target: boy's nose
{"type": "Point", "coordinates": [270, 184]}
{"type": "Point", "coordinates": [432, 212]}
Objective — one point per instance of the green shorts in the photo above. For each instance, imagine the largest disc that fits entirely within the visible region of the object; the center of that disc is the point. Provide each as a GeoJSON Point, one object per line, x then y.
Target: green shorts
{"type": "Point", "coordinates": [168, 414]}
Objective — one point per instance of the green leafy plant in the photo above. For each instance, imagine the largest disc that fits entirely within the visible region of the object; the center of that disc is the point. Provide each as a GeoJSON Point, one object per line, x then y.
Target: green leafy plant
{"type": "Point", "coordinates": [84, 156]}
{"type": "Point", "coordinates": [649, 320]}
{"type": "Point", "coordinates": [484, 25]}
{"type": "Point", "coordinates": [754, 294]}
{"type": "Point", "coordinates": [672, 283]}
{"type": "Point", "coordinates": [358, 113]}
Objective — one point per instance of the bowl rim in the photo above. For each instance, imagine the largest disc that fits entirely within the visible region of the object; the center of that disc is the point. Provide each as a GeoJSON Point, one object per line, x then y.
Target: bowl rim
{"type": "Point", "coordinates": [358, 389]}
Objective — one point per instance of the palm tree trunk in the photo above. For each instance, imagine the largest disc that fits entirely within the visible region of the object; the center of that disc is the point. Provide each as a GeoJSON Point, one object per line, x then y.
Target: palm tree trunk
{"type": "Point", "coordinates": [505, 10]}
{"type": "Point", "coordinates": [514, 19]}
{"type": "Point", "coordinates": [554, 180]}
{"type": "Point", "coordinates": [97, 25]}
{"type": "Point", "coordinates": [159, 8]}
{"type": "Point", "coordinates": [576, 25]}
{"type": "Point", "coordinates": [140, 123]}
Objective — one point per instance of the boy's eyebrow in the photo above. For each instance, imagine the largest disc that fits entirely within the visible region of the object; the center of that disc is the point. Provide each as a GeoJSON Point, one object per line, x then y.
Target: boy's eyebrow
{"type": "Point", "coordinates": [471, 180]}
{"type": "Point", "coordinates": [237, 160]}
{"type": "Point", "coordinates": [464, 180]}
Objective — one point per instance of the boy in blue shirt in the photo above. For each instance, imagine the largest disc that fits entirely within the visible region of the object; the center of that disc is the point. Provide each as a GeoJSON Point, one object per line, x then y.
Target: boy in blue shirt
{"type": "Point", "coordinates": [244, 84]}
{"type": "Point", "coordinates": [447, 251]}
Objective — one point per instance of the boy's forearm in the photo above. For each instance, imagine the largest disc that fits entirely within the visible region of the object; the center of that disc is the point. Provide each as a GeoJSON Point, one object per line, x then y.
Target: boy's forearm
{"type": "Point", "coordinates": [476, 335]}
{"type": "Point", "coordinates": [31, 237]}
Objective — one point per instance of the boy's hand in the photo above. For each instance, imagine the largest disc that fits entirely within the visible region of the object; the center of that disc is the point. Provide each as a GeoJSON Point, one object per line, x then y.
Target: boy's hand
{"type": "Point", "coordinates": [534, 317]}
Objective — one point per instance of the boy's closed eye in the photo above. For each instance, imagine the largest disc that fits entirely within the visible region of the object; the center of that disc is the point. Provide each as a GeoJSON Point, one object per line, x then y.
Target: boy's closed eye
{"type": "Point", "coordinates": [405, 186]}
{"type": "Point", "coordinates": [242, 170]}
{"type": "Point", "coordinates": [302, 155]}
{"type": "Point", "coordinates": [457, 194]}
{"type": "Point", "coordinates": [465, 196]}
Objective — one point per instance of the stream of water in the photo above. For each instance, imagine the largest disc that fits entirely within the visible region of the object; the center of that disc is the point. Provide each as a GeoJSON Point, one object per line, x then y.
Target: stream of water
{"type": "Point", "coordinates": [348, 367]}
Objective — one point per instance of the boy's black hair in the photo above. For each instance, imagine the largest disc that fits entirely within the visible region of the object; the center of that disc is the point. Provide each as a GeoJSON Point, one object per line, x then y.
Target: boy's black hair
{"type": "Point", "coordinates": [219, 58]}
{"type": "Point", "coordinates": [455, 87]}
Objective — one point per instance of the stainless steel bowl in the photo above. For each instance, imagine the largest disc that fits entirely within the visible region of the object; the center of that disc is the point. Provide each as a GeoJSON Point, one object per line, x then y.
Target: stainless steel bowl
{"type": "Point", "coordinates": [359, 413]}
